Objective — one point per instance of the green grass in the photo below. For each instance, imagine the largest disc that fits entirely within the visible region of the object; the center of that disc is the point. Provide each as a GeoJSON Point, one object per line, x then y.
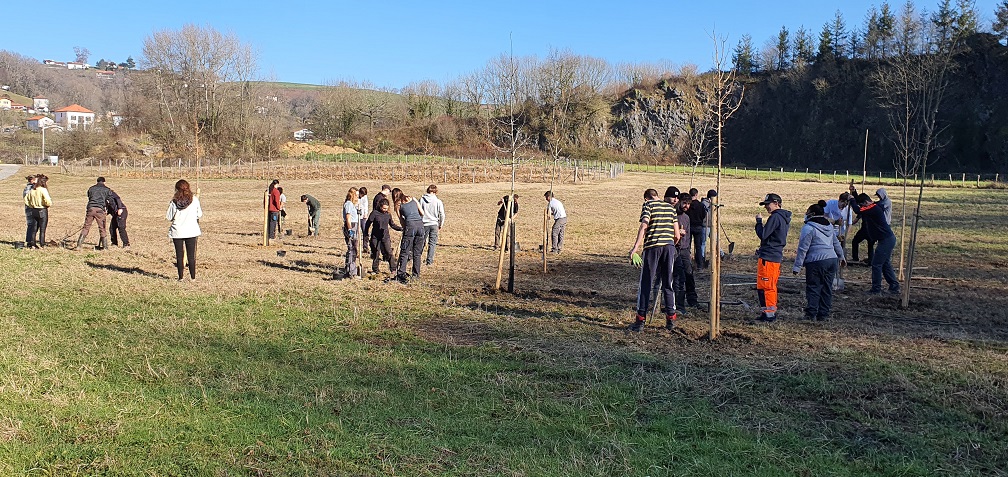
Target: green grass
{"type": "Point", "coordinates": [141, 377]}
{"type": "Point", "coordinates": [887, 179]}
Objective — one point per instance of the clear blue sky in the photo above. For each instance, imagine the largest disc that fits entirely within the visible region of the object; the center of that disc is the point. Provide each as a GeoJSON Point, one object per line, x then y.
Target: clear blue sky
{"type": "Point", "coordinates": [393, 43]}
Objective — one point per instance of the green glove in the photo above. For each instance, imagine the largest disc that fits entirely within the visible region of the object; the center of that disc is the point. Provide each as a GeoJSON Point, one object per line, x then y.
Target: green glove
{"type": "Point", "coordinates": [636, 260]}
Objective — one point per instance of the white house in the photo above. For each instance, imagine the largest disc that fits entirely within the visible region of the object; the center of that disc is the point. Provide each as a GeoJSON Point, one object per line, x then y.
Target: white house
{"type": "Point", "coordinates": [303, 134]}
{"type": "Point", "coordinates": [36, 123]}
{"type": "Point", "coordinates": [75, 116]}
{"type": "Point", "coordinates": [40, 103]}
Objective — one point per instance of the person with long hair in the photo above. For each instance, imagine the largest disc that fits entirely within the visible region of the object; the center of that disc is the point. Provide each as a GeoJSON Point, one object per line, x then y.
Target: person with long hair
{"type": "Point", "coordinates": [184, 212]}
{"type": "Point", "coordinates": [412, 243]}
{"type": "Point", "coordinates": [351, 227]}
{"type": "Point", "coordinates": [37, 203]}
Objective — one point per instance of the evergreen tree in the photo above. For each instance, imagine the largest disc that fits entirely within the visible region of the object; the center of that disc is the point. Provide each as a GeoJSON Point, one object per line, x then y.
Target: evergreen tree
{"type": "Point", "coordinates": [871, 35]}
{"type": "Point", "coordinates": [886, 29]}
{"type": "Point", "coordinates": [744, 57]}
{"type": "Point", "coordinates": [966, 23]}
{"type": "Point", "coordinates": [783, 48]}
{"type": "Point", "coordinates": [825, 44]}
{"type": "Point", "coordinates": [801, 52]}
{"type": "Point", "coordinates": [838, 33]}
{"type": "Point", "coordinates": [943, 23]}
{"type": "Point", "coordinates": [1000, 25]}
{"type": "Point", "coordinates": [908, 36]}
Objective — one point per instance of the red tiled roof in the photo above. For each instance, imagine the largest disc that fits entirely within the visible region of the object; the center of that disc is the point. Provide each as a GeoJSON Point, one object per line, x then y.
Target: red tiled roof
{"type": "Point", "coordinates": [34, 118]}
{"type": "Point", "coordinates": [74, 108]}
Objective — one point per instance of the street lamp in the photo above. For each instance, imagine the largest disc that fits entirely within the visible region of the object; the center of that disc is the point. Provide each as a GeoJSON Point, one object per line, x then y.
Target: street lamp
{"type": "Point", "coordinates": [51, 126]}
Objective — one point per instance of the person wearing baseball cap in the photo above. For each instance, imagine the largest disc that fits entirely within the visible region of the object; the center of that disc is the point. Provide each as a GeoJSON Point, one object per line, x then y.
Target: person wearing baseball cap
{"type": "Point", "coordinates": [773, 237]}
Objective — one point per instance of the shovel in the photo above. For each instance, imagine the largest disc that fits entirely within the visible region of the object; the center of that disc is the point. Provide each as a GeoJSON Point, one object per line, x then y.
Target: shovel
{"type": "Point", "coordinates": [731, 245]}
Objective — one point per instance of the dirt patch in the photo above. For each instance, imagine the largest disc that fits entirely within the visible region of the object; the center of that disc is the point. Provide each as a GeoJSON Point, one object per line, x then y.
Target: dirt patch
{"type": "Point", "coordinates": [298, 149]}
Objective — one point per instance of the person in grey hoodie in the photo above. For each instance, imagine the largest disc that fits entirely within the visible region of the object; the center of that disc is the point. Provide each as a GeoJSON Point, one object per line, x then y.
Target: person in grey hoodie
{"type": "Point", "coordinates": [820, 252]}
{"type": "Point", "coordinates": [433, 220]}
{"type": "Point", "coordinates": [773, 237]}
{"type": "Point", "coordinates": [885, 203]}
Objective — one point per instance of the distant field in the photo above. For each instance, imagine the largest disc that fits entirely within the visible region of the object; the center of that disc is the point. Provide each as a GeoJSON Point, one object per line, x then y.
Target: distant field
{"type": "Point", "coordinates": [267, 366]}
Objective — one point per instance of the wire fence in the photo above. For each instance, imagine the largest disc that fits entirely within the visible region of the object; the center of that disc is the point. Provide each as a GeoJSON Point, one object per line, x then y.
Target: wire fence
{"type": "Point", "coordinates": [390, 168]}
{"type": "Point", "coordinates": [890, 178]}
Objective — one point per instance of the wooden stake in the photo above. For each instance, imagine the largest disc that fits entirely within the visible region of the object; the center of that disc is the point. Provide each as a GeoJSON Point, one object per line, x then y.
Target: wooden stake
{"type": "Point", "coordinates": [504, 243]}
{"type": "Point", "coordinates": [266, 218]}
{"type": "Point", "coordinates": [545, 236]}
{"type": "Point", "coordinates": [864, 174]}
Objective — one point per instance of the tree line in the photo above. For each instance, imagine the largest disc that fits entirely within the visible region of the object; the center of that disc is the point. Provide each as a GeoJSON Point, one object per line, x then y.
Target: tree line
{"type": "Point", "coordinates": [197, 91]}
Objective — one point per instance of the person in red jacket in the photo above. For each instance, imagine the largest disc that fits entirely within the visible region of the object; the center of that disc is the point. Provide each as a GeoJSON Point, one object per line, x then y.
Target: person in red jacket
{"type": "Point", "coordinates": [274, 208]}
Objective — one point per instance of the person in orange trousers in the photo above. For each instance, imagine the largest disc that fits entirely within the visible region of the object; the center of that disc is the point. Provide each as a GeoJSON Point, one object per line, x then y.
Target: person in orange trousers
{"type": "Point", "coordinates": [773, 237]}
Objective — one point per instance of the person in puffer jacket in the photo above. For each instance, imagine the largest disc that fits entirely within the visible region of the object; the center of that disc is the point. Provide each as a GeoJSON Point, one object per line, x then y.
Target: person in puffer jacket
{"type": "Point", "coordinates": [820, 252]}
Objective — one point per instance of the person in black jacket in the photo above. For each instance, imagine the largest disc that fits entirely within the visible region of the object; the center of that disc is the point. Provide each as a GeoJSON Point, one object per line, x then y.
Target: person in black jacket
{"type": "Point", "coordinates": [874, 221]}
{"type": "Point", "coordinates": [697, 216]}
{"type": "Point", "coordinates": [98, 195]}
{"type": "Point", "coordinates": [117, 211]}
{"type": "Point", "coordinates": [376, 231]}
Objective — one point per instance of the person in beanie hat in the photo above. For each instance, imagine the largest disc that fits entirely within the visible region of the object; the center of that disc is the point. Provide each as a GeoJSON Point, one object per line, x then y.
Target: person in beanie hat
{"type": "Point", "coordinates": [773, 237]}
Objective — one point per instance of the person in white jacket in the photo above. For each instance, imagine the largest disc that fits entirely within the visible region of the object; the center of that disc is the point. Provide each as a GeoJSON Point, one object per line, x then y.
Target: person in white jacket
{"type": "Point", "coordinates": [184, 212]}
{"type": "Point", "coordinates": [433, 219]}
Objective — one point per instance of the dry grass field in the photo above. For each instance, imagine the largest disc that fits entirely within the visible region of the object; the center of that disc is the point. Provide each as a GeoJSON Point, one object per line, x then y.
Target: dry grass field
{"type": "Point", "coordinates": [755, 376]}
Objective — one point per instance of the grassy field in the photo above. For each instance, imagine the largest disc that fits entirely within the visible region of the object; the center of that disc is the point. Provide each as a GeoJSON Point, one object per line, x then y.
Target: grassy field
{"type": "Point", "coordinates": [265, 365]}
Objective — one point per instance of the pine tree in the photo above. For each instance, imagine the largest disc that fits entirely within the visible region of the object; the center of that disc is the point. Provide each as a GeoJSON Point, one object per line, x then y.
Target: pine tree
{"type": "Point", "coordinates": [743, 59]}
{"type": "Point", "coordinates": [838, 32]}
{"type": "Point", "coordinates": [871, 36]}
{"type": "Point", "coordinates": [943, 22]}
{"type": "Point", "coordinates": [825, 44]}
{"type": "Point", "coordinates": [908, 36]}
{"type": "Point", "coordinates": [966, 23]}
{"type": "Point", "coordinates": [783, 48]}
{"type": "Point", "coordinates": [886, 29]}
{"type": "Point", "coordinates": [801, 52]}
{"type": "Point", "coordinates": [1000, 25]}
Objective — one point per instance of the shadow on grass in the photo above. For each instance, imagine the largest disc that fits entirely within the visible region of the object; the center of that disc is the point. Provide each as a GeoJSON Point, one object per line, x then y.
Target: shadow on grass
{"type": "Point", "coordinates": [302, 266]}
{"type": "Point", "coordinates": [130, 270]}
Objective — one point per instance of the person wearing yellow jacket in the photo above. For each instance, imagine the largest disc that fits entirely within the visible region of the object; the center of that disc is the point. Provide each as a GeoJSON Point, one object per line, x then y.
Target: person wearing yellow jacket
{"type": "Point", "coordinates": [37, 203]}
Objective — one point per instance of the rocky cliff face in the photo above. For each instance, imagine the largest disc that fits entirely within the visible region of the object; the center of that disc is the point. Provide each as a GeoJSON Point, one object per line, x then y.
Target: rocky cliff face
{"type": "Point", "coordinates": [816, 118]}
{"type": "Point", "coordinates": [651, 123]}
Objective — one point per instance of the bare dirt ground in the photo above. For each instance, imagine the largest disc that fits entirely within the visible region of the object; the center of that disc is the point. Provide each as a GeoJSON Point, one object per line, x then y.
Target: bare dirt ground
{"type": "Point", "coordinates": [959, 300]}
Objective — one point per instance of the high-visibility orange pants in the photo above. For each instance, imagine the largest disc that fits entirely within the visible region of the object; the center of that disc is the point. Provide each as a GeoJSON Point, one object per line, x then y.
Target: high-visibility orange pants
{"type": "Point", "coordinates": [767, 274]}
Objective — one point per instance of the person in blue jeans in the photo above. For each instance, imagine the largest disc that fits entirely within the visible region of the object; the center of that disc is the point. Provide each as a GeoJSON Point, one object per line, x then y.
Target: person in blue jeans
{"type": "Point", "coordinates": [873, 217]}
{"type": "Point", "coordinates": [820, 252]}
{"type": "Point", "coordinates": [433, 220]}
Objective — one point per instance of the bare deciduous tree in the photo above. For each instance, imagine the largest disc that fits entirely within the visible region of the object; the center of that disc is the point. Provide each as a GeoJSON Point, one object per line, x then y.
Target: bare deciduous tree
{"type": "Point", "coordinates": [911, 88]}
{"type": "Point", "coordinates": [725, 98]}
{"type": "Point", "coordinates": [200, 77]}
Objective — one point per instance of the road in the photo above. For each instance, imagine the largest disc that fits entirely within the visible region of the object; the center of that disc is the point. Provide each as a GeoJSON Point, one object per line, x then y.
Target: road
{"type": "Point", "coordinates": [7, 170]}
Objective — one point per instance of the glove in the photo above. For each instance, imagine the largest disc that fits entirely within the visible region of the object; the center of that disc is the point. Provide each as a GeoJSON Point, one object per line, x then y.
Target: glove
{"type": "Point", "coordinates": [283, 213]}
{"type": "Point", "coordinates": [352, 233]}
{"type": "Point", "coordinates": [636, 260]}
{"type": "Point", "coordinates": [795, 272]}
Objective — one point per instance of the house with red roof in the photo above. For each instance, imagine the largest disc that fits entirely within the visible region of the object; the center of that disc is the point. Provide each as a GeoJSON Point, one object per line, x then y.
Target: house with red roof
{"type": "Point", "coordinates": [75, 116]}
{"type": "Point", "coordinates": [36, 123]}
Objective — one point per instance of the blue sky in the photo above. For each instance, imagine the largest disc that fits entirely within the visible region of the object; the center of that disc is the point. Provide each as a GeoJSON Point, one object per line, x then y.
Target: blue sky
{"type": "Point", "coordinates": [394, 43]}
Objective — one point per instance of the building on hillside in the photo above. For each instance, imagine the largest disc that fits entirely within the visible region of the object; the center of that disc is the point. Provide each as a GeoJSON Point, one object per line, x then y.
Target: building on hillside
{"type": "Point", "coordinates": [303, 134]}
{"type": "Point", "coordinates": [5, 103]}
{"type": "Point", "coordinates": [36, 123]}
{"type": "Point", "coordinates": [18, 107]}
{"type": "Point", "coordinates": [76, 65]}
{"type": "Point", "coordinates": [104, 74]}
{"type": "Point", "coordinates": [75, 116]}
{"type": "Point", "coordinates": [41, 104]}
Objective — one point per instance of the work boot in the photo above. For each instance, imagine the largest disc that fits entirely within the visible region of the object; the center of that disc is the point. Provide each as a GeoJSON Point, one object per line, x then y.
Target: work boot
{"type": "Point", "coordinates": [670, 320]}
{"type": "Point", "coordinates": [80, 241]}
{"type": "Point", "coordinates": [104, 243]}
{"type": "Point", "coordinates": [637, 325]}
